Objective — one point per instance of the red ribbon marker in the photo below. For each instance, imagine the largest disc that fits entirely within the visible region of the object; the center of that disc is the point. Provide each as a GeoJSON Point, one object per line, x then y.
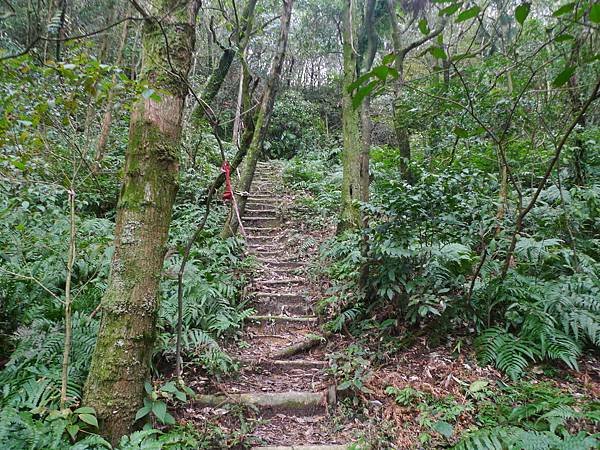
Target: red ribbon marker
{"type": "Point", "coordinates": [228, 193]}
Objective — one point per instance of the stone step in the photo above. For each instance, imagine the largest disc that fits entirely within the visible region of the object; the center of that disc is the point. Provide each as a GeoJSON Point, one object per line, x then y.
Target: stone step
{"type": "Point", "coordinates": [261, 179]}
{"type": "Point", "coordinates": [283, 365]}
{"type": "Point", "coordinates": [260, 211]}
{"type": "Point", "coordinates": [291, 432]}
{"type": "Point", "coordinates": [263, 221]}
{"type": "Point", "coordinates": [305, 447]}
{"type": "Point", "coordinates": [259, 219]}
{"type": "Point", "coordinates": [283, 272]}
{"type": "Point", "coordinates": [284, 297]}
{"type": "Point", "coordinates": [278, 285]}
{"type": "Point", "coordinates": [295, 363]}
{"type": "Point", "coordinates": [283, 264]}
{"type": "Point", "coordinates": [262, 202]}
{"type": "Point", "coordinates": [264, 190]}
{"type": "Point", "coordinates": [268, 230]}
{"type": "Point", "coordinates": [279, 281]}
{"type": "Point", "coordinates": [266, 306]}
{"type": "Point", "coordinates": [292, 319]}
{"type": "Point", "coordinates": [268, 245]}
{"type": "Point", "coordinates": [262, 207]}
{"type": "Point", "coordinates": [298, 327]}
{"type": "Point", "coordinates": [262, 196]}
{"type": "Point", "coordinates": [263, 237]}
{"type": "Point", "coordinates": [293, 402]}
{"type": "Point", "coordinates": [266, 253]}
{"type": "Point", "coordinates": [264, 181]}
{"type": "Point", "coordinates": [272, 239]}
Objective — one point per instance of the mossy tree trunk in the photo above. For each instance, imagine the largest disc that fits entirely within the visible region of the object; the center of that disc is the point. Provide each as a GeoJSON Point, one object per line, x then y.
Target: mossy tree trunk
{"type": "Point", "coordinates": [261, 124]}
{"type": "Point", "coordinates": [121, 360]}
{"type": "Point", "coordinates": [354, 189]}
{"type": "Point", "coordinates": [402, 135]}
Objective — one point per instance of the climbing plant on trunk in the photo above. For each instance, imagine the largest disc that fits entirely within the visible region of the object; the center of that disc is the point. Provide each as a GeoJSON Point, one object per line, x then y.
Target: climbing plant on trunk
{"type": "Point", "coordinates": [121, 360]}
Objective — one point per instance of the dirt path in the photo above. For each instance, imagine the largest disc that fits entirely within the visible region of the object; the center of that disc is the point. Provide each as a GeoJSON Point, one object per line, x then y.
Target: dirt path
{"type": "Point", "coordinates": [283, 382]}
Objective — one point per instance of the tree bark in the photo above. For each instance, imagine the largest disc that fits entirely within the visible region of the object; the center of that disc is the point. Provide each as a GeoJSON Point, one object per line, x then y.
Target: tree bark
{"type": "Point", "coordinates": [213, 84]}
{"type": "Point", "coordinates": [262, 121]}
{"type": "Point", "coordinates": [353, 189]}
{"type": "Point", "coordinates": [121, 360]}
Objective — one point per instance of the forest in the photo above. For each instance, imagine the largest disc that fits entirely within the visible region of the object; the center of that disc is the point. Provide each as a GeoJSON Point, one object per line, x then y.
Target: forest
{"type": "Point", "coordinates": [300, 224]}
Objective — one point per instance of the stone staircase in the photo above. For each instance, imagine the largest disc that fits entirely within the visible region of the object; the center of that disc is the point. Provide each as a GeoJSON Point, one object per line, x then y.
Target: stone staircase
{"type": "Point", "coordinates": [282, 377]}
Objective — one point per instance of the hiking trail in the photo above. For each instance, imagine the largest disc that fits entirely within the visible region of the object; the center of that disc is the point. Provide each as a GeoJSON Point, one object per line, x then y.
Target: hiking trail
{"type": "Point", "coordinates": [283, 382]}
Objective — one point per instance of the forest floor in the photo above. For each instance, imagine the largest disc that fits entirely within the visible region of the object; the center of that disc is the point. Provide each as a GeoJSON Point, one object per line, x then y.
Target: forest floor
{"type": "Point", "coordinates": [284, 396]}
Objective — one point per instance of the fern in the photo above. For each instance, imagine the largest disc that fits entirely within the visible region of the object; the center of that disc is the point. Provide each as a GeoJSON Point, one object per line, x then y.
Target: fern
{"type": "Point", "coordinates": [506, 351]}
{"type": "Point", "coordinates": [32, 378]}
{"type": "Point", "coordinates": [515, 438]}
{"type": "Point", "coordinates": [558, 416]}
{"type": "Point", "coordinates": [343, 318]}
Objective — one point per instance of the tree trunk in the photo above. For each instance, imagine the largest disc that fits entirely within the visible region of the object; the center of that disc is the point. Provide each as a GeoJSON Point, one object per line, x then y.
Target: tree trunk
{"type": "Point", "coordinates": [366, 58]}
{"type": "Point", "coordinates": [121, 360]}
{"type": "Point", "coordinates": [262, 121]}
{"type": "Point", "coordinates": [353, 189]}
{"type": "Point", "coordinates": [60, 32]}
{"type": "Point", "coordinates": [502, 191]}
{"type": "Point", "coordinates": [400, 51]}
{"type": "Point", "coordinates": [213, 85]}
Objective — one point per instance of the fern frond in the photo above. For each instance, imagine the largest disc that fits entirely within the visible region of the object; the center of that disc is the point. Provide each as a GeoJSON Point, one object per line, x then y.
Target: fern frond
{"type": "Point", "coordinates": [509, 353]}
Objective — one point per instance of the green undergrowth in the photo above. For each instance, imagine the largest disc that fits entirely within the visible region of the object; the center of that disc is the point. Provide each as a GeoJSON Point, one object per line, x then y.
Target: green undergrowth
{"type": "Point", "coordinates": [33, 249]}
{"type": "Point", "coordinates": [491, 414]}
{"type": "Point", "coordinates": [314, 178]}
{"type": "Point", "coordinates": [434, 269]}
{"type": "Point", "coordinates": [444, 270]}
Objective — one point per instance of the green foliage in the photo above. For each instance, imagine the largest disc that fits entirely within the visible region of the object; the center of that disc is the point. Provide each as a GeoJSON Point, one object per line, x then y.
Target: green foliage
{"type": "Point", "coordinates": [155, 403]}
{"type": "Point", "coordinates": [211, 306]}
{"type": "Point", "coordinates": [516, 438]}
{"type": "Point", "coordinates": [520, 416]}
{"type": "Point", "coordinates": [295, 127]}
{"type": "Point", "coordinates": [20, 430]}
{"type": "Point", "coordinates": [351, 369]}
{"type": "Point", "coordinates": [31, 378]}
{"type": "Point", "coordinates": [317, 176]}
{"type": "Point", "coordinates": [33, 248]}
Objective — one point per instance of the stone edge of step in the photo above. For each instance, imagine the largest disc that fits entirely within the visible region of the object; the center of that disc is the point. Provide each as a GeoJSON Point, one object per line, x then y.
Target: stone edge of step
{"type": "Point", "coordinates": [305, 447]}
{"type": "Point", "coordinates": [290, 400]}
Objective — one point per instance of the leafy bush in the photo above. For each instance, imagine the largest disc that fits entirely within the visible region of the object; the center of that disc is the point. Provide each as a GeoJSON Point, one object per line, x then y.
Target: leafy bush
{"type": "Point", "coordinates": [295, 127]}
{"type": "Point", "coordinates": [435, 253]}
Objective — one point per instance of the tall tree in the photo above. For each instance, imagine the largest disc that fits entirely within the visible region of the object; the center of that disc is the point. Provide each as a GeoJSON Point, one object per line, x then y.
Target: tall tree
{"type": "Point", "coordinates": [355, 182]}
{"type": "Point", "coordinates": [121, 360]}
{"type": "Point", "coordinates": [262, 120]}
